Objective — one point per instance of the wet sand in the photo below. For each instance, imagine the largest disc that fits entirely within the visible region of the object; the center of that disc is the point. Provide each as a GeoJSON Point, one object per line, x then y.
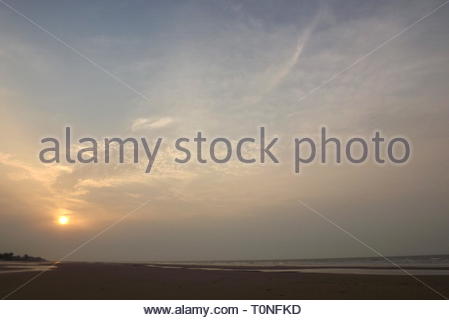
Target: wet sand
{"type": "Point", "coordinates": [138, 281]}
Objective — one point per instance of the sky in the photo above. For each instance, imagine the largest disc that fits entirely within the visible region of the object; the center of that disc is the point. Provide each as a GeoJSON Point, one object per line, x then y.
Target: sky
{"type": "Point", "coordinates": [169, 69]}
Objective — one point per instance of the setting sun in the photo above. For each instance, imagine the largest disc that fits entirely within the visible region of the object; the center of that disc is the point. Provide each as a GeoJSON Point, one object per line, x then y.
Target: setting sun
{"type": "Point", "coordinates": [63, 220]}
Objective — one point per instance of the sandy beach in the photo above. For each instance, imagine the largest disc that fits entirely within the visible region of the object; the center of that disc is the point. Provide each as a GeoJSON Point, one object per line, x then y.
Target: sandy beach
{"type": "Point", "coordinates": [140, 281]}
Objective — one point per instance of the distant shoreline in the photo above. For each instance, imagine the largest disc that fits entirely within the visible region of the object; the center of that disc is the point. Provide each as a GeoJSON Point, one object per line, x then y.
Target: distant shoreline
{"type": "Point", "coordinates": [221, 267]}
{"type": "Point", "coordinates": [9, 256]}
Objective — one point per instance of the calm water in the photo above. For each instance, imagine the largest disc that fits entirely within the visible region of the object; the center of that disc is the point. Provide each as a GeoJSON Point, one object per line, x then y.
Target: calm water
{"type": "Point", "coordinates": [416, 265]}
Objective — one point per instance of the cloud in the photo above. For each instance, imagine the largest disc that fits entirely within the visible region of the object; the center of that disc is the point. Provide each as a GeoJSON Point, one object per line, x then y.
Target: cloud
{"type": "Point", "coordinates": [46, 176]}
{"type": "Point", "coordinates": [287, 67]}
{"type": "Point", "coordinates": [151, 123]}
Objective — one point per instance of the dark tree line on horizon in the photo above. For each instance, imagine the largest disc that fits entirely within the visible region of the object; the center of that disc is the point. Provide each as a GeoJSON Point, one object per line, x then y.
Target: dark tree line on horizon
{"type": "Point", "coordinates": [9, 256]}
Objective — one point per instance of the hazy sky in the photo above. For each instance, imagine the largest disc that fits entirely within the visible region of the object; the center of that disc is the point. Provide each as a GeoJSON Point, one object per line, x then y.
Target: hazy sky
{"type": "Point", "coordinates": [225, 68]}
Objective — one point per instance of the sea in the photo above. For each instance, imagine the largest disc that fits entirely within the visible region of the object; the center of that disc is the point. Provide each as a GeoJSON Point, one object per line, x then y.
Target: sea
{"type": "Point", "coordinates": [400, 265]}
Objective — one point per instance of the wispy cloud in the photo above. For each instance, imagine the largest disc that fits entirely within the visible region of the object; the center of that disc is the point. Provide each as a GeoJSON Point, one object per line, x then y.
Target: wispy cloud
{"type": "Point", "coordinates": [276, 73]}
{"type": "Point", "coordinates": [151, 123]}
{"type": "Point", "coordinates": [288, 66]}
{"type": "Point", "coordinates": [26, 171]}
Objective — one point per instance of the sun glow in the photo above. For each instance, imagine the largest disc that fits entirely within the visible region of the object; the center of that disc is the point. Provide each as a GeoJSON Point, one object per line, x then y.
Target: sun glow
{"type": "Point", "coordinates": [63, 220]}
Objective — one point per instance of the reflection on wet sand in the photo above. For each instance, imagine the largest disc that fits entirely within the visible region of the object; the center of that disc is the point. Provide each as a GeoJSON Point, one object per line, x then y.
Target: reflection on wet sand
{"type": "Point", "coordinates": [14, 267]}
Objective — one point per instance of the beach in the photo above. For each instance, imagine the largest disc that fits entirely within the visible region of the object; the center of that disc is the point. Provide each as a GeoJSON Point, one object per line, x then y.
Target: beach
{"type": "Point", "coordinates": [81, 280]}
